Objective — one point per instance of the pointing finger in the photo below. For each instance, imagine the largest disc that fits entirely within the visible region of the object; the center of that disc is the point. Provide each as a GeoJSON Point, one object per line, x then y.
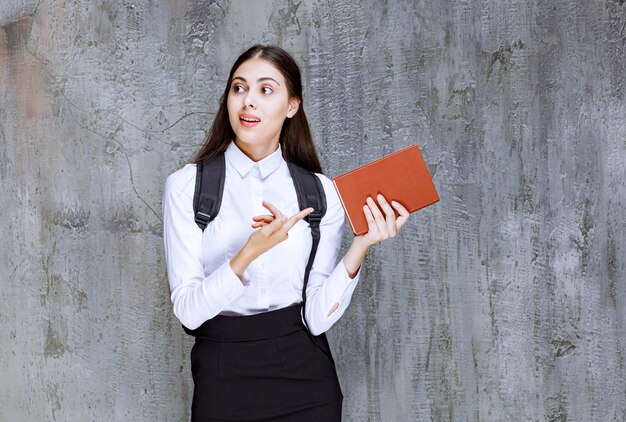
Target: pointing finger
{"type": "Point", "coordinates": [297, 217]}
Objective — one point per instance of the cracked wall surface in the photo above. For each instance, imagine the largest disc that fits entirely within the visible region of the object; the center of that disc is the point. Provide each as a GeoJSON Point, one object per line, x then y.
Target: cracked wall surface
{"type": "Point", "coordinates": [504, 301]}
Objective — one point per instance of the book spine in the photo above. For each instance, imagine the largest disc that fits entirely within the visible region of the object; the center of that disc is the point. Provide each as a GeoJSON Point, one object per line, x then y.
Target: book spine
{"type": "Point", "coordinates": [344, 207]}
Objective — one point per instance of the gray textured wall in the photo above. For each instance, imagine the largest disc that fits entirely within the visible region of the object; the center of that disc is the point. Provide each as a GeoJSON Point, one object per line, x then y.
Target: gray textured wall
{"type": "Point", "coordinates": [505, 301]}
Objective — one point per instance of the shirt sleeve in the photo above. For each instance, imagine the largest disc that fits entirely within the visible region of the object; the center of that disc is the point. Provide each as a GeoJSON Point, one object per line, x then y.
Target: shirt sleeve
{"type": "Point", "coordinates": [329, 281]}
{"type": "Point", "coordinates": [195, 297]}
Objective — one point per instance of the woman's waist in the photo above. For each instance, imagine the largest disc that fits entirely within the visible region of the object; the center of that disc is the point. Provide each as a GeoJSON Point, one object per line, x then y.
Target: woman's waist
{"type": "Point", "coordinates": [230, 326]}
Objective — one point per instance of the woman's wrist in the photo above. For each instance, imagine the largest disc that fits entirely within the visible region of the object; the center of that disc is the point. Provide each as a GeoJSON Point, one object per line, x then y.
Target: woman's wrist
{"type": "Point", "coordinates": [360, 242]}
{"type": "Point", "coordinates": [240, 262]}
{"type": "Point", "coordinates": [355, 256]}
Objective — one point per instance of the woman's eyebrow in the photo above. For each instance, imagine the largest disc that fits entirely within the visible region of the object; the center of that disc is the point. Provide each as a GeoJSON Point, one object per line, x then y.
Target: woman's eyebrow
{"type": "Point", "coordinates": [258, 80]}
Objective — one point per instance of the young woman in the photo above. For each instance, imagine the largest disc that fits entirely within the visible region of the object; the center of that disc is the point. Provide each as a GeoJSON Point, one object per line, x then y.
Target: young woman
{"type": "Point", "coordinates": [239, 283]}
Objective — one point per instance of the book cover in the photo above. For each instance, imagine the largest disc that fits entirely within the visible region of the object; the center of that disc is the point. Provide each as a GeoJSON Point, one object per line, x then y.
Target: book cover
{"type": "Point", "coordinates": [401, 176]}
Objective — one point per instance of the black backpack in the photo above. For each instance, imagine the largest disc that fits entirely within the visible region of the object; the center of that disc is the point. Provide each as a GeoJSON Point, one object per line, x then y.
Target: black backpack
{"type": "Point", "coordinates": [207, 200]}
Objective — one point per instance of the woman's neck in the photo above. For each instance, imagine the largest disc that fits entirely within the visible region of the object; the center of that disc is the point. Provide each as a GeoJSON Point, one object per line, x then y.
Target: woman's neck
{"type": "Point", "coordinates": [256, 152]}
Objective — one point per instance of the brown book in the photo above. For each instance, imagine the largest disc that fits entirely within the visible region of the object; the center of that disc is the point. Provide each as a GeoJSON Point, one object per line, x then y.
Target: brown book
{"type": "Point", "coordinates": [401, 176]}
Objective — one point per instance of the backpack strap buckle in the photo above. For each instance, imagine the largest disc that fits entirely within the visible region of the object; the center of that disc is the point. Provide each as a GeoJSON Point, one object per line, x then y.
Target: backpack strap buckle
{"type": "Point", "coordinates": [314, 218]}
{"type": "Point", "coordinates": [203, 214]}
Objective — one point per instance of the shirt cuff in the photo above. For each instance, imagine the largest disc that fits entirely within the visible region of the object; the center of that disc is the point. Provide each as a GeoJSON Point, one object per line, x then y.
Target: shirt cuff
{"type": "Point", "coordinates": [232, 286]}
{"type": "Point", "coordinates": [338, 284]}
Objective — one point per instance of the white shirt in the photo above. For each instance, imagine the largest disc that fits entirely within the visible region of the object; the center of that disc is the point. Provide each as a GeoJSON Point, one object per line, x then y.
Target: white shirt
{"type": "Point", "coordinates": [202, 282]}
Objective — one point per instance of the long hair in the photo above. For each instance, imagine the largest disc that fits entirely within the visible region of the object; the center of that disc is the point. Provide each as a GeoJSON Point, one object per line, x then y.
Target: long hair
{"type": "Point", "coordinates": [295, 136]}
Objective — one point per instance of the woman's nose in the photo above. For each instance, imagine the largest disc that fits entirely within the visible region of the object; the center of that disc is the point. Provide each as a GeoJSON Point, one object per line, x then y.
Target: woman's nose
{"type": "Point", "coordinates": [249, 100]}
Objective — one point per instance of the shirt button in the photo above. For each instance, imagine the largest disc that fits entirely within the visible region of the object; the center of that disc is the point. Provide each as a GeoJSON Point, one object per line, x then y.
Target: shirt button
{"type": "Point", "coordinates": [261, 267]}
{"type": "Point", "coordinates": [263, 291]}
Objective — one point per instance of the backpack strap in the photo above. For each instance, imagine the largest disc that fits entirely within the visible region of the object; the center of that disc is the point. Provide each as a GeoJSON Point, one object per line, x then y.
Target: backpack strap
{"type": "Point", "coordinates": [207, 198]}
{"type": "Point", "coordinates": [310, 194]}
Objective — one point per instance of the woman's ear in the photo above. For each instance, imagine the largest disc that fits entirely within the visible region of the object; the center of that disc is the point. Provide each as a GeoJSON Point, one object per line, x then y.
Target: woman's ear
{"type": "Point", "coordinates": [294, 105]}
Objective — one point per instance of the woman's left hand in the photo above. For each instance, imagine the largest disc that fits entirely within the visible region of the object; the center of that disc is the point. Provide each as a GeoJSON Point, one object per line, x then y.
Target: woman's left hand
{"type": "Point", "coordinates": [381, 227]}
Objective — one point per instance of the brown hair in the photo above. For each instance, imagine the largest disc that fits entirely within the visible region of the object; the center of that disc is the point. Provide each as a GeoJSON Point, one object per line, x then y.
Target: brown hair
{"type": "Point", "coordinates": [295, 136]}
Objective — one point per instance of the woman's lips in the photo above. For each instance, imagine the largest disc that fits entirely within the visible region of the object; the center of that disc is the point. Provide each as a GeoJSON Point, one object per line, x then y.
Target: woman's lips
{"type": "Point", "coordinates": [249, 120]}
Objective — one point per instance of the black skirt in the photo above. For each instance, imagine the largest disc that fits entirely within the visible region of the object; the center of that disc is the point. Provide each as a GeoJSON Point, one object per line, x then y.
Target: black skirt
{"type": "Point", "coordinates": [264, 367]}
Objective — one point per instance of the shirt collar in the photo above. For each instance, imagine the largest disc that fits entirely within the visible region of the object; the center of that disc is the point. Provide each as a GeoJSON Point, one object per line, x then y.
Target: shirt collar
{"type": "Point", "coordinates": [243, 164]}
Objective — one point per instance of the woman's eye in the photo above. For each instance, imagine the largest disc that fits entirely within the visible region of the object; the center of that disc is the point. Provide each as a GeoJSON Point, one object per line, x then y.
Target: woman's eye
{"type": "Point", "coordinates": [237, 88]}
{"type": "Point", "coordinates": [267, 90]}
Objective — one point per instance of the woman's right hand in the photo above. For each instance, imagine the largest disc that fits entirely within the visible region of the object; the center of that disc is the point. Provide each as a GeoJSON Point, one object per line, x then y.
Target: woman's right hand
{"type": "Point", "coordinates": [272, 233]}
{"type": "Point", "coordinates": [271, 230]}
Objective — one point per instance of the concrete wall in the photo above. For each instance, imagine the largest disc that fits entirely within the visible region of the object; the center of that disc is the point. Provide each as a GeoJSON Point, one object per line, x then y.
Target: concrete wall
{"type": "Point", "coordinates": [505, 301]}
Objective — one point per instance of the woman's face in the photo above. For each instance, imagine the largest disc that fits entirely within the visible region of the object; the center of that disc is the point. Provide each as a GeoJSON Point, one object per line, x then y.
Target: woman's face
{"type": "Point", "coordinates": [258, 103]}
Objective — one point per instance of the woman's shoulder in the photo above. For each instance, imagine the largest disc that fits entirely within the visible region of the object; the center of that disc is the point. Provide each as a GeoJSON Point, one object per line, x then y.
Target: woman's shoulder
{"type": "Point", "coordinates": [324, 179]}
{"type": "Point", "coordinates": [329, 189]}
{"type": "Point", "coordinates": [181, 180]}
